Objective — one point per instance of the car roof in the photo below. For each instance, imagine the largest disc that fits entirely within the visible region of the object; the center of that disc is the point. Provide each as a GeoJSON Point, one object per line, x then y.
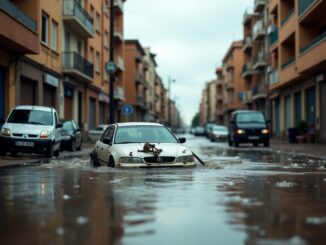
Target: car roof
{"type": "Point", "coordinates": [245, 111]}
{"type": "Point", "coordinates": [33, 107]}
{"type": "Point", "coordinates": [127, 124]}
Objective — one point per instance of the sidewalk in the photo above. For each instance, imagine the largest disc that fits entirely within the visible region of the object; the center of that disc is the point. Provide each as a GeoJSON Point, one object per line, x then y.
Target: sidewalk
{"type": "Point", "coordinates": [310, 150]}
{"type": "Point", "coordinates": [22, 160]}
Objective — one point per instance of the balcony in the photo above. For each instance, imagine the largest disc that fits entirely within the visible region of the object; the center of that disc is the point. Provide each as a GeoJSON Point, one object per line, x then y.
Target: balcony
{"type": "Point", "coordinates": [247, 16]}
{"type": "Point", "coordinates": [247, 70]}
{"type": "Point", "coordinates": [76, 17]}
{"type": "Point", "coordinates": [259, 61]}
{"type": "Point", "coordinates": [119, 93]}
{"type": "Point", "coordinates": [146, 66]}
{"type": "Point", "coordinates": [259, 5]}
{"type": "Point", "coordinates": [19, 33]}
{"type": "Point", "coordinates": [287, 63]}
{"type": "Point", "coordinates": [118, 4]}
{"type": "Point", "coordinates": [259, 30]}
{"type": "Point", "coordinates": [247, 97]}
{"type": "Point", "coordinates": [304, 5]}
{"type": "Point", "coordinates": [139, 57]}
{"type": "Point", "coordinates": [118, 34]}
{"type": "Point", "coordinates": [120, 64]}
{"type": "Point", "coordinates": [229, 85]}
{"type": "Point", "coordinates": [247, 43]}
{"type": "Point", "coordinates": [272, 35]}
{"type": "Point", "coordinates": [259, 92]}
{"type": "Point", "coordinates": [287, 17]}
{"type": "Point", "coordinates": [139, 78]}
{"type": "Point", "coordinates": [77, 67]}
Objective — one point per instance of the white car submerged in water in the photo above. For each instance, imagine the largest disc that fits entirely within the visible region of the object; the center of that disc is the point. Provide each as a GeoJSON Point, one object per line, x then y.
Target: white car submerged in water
{"type": "Point", "coordinates": [144, 145]}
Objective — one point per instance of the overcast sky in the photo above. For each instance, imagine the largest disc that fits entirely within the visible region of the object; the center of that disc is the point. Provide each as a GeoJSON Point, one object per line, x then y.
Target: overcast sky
{"type": "Point", "coordinates": [189, 37]}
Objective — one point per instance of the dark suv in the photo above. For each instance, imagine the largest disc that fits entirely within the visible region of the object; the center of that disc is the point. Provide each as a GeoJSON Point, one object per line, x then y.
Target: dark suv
{"type": "Point", "coordinates": [248, 126]}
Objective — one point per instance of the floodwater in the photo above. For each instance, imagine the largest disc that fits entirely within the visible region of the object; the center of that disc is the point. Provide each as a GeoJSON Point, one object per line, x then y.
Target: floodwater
{"type": "Point", "coordinates": [242, 196]}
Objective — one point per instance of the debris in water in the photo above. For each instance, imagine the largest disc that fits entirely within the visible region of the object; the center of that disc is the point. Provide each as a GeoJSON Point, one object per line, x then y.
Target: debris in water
{"type": "Point", "coordinates": [66, 197]}
{"type": "Point", "coordinates": [285, 184]}
{"type": "Point", "coordinates": [316, 220]}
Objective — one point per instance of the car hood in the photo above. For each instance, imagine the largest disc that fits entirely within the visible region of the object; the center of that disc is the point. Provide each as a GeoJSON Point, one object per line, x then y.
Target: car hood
{"type": "Point", "coordinates": [173, 149]}
{"type": "Point", "coordinates": [66, 132]}
{"type": "Point", "coordinates": [18, 128]}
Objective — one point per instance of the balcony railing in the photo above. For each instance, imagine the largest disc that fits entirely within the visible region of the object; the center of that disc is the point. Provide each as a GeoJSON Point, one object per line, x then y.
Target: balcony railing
{"type": "Point", "coordinates": [247, 16]}
{"type": "Point", "coordinates": [120, 63]}
{"type": "Point", "coordinates": [72, 60]}
{"type": "Point", "coordinates": [247, 43]}
{"type": "Point", "coordinates": [259, 5]}
{"type": "Point", "coordinates": [247, 69]}
{"type": "Point", "coordinates": [118, 4]}
{"type": "Point", "coordinates": [258, 30]}
{"type": "Point", "coordinates": [304, 5]}
{"type": "Point", "coordinates": [314, 42]}
{"type": "Point", "coordinates": [119, 93]}
{"type": "Point", "coordinates": [273, 77]}
{"type": "Point", "coordinates": [287, 63]}
{"type": "Point", "coordinates": [118, 33]}
{"type": "Point", "coordinates": [139, 78]}
{"type": "Point", "coordinates": [18, 14]}
{"type": "Point", "coordinates": [75, 9]}
{"type": "Point", "coordinates": [259, 89]}
{"type": "Point", "coordinates": [286, 18]}
{"type": "Point", "coordinates": [259, 61]}
{"type": "Point", "coordinates": [273, 35]}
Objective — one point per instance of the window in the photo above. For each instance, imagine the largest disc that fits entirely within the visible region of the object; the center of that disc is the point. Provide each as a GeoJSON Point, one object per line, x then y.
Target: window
{"type": "Point", "coordinates": [97, 21]}
{"type": "Point", "coordinates": [54, 35]}
{"type": "Point", "coordinates": [91, 55]}
{"type": "Point", "coordinates": [97, 62]}
{"type": "Point", "coordinates": [44, 36]}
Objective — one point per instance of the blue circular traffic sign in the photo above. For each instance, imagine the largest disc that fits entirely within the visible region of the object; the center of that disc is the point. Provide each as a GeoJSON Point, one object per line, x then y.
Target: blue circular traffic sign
{"type": "Point", "coordinates": [127, 110]}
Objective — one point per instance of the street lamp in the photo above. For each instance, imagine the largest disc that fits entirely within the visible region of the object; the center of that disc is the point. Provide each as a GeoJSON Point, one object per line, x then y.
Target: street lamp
{"type": "Point", "coordinates": [111, 62]}
{"type": "Point", "coordinates": [169, 98]}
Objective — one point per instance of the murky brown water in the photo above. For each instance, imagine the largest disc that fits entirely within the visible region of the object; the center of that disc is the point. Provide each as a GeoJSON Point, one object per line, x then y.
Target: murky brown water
{"type": "Point", "coordinates": [255, 197]}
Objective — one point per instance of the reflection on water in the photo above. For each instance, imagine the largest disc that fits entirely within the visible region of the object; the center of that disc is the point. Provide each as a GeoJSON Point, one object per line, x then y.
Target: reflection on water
{"type": "Point", "coordinates": [255, 197]}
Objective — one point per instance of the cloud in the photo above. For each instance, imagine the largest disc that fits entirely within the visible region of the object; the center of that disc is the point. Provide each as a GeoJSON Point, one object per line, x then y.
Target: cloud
{"type": "Point", "coordinates": [190, 38]}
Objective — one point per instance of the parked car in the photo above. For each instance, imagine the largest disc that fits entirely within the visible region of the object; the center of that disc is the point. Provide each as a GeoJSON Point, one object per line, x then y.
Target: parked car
{"type": "Point", "coordinates": [71, 137]}
{"type": "Point", "coordinates": [208, 128]}
{"type": "Point", "coordinates": [248, 126]}
{"type": "Point", "coordinates": [95, 133]}
{"type": "Point", "coordinates": [145, 145]}
{"type": "Point", "coordinates": [31, 129]}
{"type": "Point", "coordinates": [199, 131]}
{"type": "Point", "coordinates": [219, 133]}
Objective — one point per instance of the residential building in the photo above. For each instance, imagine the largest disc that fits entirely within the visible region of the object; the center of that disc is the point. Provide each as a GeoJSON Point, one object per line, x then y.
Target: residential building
{"type": "Point", "coordinates": [157, 99]}
{"type": "Point", "coordinates": [203, 107]}
{"type": "Point", "coordinates": [136, 94]}
{"type": "Point", "coordinates": [297, 42]}
{"type": "Point", "coordinates": [219, 96]}
{"type": "Point", "coordinates": [211, 101]}
{"type": "Point", "coordinates": [234, 84]}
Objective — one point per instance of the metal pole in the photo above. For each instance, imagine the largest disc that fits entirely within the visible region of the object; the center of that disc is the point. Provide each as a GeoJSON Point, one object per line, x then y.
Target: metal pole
{"type": "Point", "coordinates": [169, 101]}
{"type": "Point", "coordinates": [112, 77]}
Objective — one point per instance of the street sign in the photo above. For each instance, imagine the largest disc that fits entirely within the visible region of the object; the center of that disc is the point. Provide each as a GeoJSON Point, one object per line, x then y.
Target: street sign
{"type": "Point", "coordinates": [110, 67]}
{"type": "Point", "coordinates": [127, 110]}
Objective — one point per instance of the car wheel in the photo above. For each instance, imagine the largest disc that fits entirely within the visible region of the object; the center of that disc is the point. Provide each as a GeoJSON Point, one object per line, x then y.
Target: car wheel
{"type": "Point", "coordinates": [230, 142]}
{"type": "Point", "coordinates": [57, 153]}
{"type": "Point", "coordinates": [111, 162]}
{"type": "Point", "coordinates": [79, 147]}
{"type": "Point", "coordinates": [2, 153]}
{"type": "Point", "coordinates": [13, 154]}
{"type": "Point", "coordinates": [255, 144]}
{"type": "Point", "coordinates": [94, 162]}
{"type": "Point", "coordinates": [266, 144]}
{"type": "Point", "coordinates": [73, 145]}
{"type": "Point", "coordinates": [236, 144]}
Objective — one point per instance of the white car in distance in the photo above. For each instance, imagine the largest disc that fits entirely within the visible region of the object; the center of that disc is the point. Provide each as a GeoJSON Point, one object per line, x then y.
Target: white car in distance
{"type": "Point", "coordinates": [141, 145]}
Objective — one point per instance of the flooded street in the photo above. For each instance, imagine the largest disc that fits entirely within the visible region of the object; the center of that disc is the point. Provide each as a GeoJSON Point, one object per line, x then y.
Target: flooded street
{"type": "Point", "coordinates": [242, 196]}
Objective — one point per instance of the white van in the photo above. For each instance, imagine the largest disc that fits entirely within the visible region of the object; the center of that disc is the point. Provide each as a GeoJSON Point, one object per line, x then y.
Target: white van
{"type": "Point", "coordinates": [31, 129]}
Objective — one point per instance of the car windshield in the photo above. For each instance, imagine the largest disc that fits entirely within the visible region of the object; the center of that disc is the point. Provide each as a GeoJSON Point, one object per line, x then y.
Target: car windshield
{"type": "Point", "coordinates": [37, 117]}
{"type": "Point", "coordinates": [144, 134]}
{"type": "Point", "coordinates": [68, 126]}
{"type": "Point", "coordinates": [219, 128]}
{"type": "Point", "coordinates": [251, 117]}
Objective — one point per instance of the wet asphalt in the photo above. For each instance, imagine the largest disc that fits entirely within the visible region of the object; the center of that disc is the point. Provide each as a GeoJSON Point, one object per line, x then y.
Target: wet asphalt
{"type": "Point", "coordinates": [241, 196]}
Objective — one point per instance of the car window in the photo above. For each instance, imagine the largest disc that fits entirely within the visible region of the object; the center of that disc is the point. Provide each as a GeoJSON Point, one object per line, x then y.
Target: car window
{"type": "Point", "coordinates": [37, 117]}
{"type": "Point", "coordinates": [251, 117]}
{"type": "Point", "coordinates": [143, 134]}
{"type": "Point", "coordinates": [105, 133]}
{"type": "Point", "coordinates": [56, 118]}
{"type": "Point", "coordinates": [68, 126]}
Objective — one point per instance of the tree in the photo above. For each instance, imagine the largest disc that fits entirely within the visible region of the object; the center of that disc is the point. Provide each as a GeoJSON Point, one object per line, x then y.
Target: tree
{"type": "Point", "coordinates": [195, 120]}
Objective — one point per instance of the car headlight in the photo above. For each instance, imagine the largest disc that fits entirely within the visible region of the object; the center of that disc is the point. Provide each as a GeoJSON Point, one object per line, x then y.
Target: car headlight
{"type": "Point", "coordinates": [240, 131]}
{"type": "Point", "coordinates": [66, 137]}
{"type": "Point", "coordinates": [130, 160]}
{"type": "Point", "coordinates": [265, 131]}
{"type": "Point", "coordinates": [45, 134]}
{"type": "Point", "coordinates": [6, 132]}
{"type": "Point", "coordinates": [185, 159]}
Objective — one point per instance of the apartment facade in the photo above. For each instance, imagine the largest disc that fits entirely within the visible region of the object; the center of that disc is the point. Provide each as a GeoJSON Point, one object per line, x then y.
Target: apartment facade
{"type": "Point", "coordinates": [219, 107]}
{"type": "Point", "coordinates": [234, 84]}
{"type": "Point", "coordinates": [297, 42]}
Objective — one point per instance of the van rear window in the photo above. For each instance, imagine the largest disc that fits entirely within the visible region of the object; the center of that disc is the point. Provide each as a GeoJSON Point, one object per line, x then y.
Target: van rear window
{"type": "Point", "coordinates": [36, 117]}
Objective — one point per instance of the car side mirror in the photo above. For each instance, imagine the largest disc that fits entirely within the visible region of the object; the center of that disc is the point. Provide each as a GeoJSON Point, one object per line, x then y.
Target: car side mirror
{"type": "Point", "coordinates": [59, 125]}
{"type": "Point", "coordinates": [107, 141]}
{"type": "Point", "coordinates": [2, 121]}
{"type": "Point", "coordinates": [182, 140]}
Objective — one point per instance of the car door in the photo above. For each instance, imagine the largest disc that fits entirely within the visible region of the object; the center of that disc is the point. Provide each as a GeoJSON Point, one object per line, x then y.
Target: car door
{"type": "Point", "coordinates": [102, 149]}
{"type": "Point", "coordinates": [106, 148]}
{"type": "Point", "coordinates": [77, 133]}
{"type": "Point", "coordinates": [57, 131]}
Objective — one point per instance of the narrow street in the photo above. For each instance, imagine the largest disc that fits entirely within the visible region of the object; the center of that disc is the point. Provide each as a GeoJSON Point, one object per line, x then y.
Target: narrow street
{"type": "Point", "coordinates": [241, 196]}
